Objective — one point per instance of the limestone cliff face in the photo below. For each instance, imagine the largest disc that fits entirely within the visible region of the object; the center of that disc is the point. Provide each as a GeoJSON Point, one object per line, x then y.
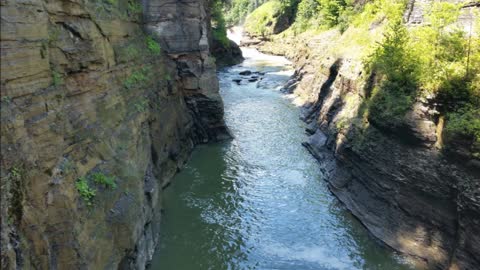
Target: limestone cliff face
{"type": "Point", "coordinates": [183, 27]}
{"type": "Point", "coordinates": [88, 94]}
{"type": "Point", "coordinates": [397, 182]}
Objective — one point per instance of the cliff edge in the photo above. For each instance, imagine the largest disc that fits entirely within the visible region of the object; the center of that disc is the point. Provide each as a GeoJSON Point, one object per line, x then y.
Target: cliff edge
{"type": "Point", "coordinates": [102, 102]}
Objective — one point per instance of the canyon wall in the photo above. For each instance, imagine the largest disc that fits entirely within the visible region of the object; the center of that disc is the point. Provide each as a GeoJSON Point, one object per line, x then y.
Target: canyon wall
{"type": "Point", "coordinates": [399, 183]}
{"type": "Point", "coordinates": [101, 103]}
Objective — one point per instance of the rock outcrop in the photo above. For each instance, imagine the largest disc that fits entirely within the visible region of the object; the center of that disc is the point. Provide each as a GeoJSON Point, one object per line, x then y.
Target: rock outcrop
{"type": "Point", "coordinates": [102, 102]}
{"type": "Point", "coordinates": [183, 28]}
{"type": "Point", "coordinates": [397, 181]}
{"type": "Point", "coordinates": [226, 54]}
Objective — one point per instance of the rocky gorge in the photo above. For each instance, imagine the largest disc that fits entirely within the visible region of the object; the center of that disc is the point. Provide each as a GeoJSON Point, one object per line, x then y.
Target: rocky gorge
{"type": "Point", "coordinates": [102, 102]}
{"type": "Point", "coordinates": [398, 181]}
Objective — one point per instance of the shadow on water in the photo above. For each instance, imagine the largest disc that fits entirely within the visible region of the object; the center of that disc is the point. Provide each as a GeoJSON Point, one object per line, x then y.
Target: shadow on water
{"type": "Point", "coordinates": [200, 220]}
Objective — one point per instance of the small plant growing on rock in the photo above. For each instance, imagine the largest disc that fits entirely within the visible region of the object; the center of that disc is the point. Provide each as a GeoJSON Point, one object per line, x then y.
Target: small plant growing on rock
{"type": "Point", "coordinates": [102, 179]}
{"type": "Point", "coordinates": [142, 105]}
{"type": "Point", "coordinates": [136, 78]}
{"type": "Point", "coordinates": [53, 35]}
{"type": "Point", "coordinates": [131, 52]}
{"type": "Point", "coordinates": [6, 99]}
{"type": "Point", "coordinates": [113, 2]}
{"type": "Point", "coordinates": [86, 192]}
{"type": "Point", "coordinates": [153, 45]}
{"type": "Point", "coordinates": [16, 172]}
{"type": "Point", "coordinates": [134, 7]}
{"type": "Point", "coordinates": [57, 78]}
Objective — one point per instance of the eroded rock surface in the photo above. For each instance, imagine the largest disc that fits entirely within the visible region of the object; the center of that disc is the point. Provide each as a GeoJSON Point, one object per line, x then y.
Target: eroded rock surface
{"type": "Point", "coordinates": [86, 91]}
{"type": "Point", "coordinates": [404, 190]}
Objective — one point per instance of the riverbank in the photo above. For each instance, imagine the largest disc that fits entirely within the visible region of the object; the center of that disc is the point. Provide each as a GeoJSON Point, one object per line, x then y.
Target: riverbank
{"type": "Point", "coordinates": [398, 184]}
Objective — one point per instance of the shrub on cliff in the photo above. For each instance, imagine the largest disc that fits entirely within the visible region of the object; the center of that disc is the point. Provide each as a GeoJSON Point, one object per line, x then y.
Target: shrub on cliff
{"type": "Point", "coordinates": [85, 191]}
{"type": "Point", "coordinates": [219, 30]}
{"type": "Point", "coordinates": [395, 66]}
{"type": "Point", "coordinates": [270, 18]}
{"type": "Point", "coordinates": [153, 46]}
{"type": "Point", "coordinates": [436, 60]}
{"type": "Point", "coordinates": [464, 126]}
{"type": "Point", "coordinates": [449, 61]}
{"type": "Point", "coordinates": [306, 15]}
{"type": "Point", "coordinates": [323, 14]}
{"type": "Point", "coordinates": [237, 11]}
{"type": "Point", "coordinates": [331, 11]}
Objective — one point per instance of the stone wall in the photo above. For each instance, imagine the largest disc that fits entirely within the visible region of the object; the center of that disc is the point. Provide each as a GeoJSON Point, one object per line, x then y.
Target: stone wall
{"type": "Point", "coordinates": [86, 93]}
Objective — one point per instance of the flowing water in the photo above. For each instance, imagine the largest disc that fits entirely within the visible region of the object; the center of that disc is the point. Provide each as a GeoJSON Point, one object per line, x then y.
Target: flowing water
{"type": "Point", "coordinates": [260, 201]}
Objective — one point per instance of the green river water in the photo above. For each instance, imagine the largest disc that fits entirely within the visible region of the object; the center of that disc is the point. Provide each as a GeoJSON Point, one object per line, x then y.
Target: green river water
{"type": "Point", "coordinates": [260, 201]}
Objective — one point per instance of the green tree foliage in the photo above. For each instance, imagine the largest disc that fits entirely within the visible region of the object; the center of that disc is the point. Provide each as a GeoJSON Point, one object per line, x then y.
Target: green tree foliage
{"type": "Point", "coordinates": [436, 59]}
{"type": "Point", "coordinates": [237, 11]}
{"type": "Point", "coordinates": [261, 21]}
{"type": "Point", "coordinates": [464, 125]}
{"type": "Point", "coordinates": [306, 15]}
{"type": "Point", "coordinates": [393, 60]}
{"type": "Point", "coordinates": [331, 11]}
{"type": "Point", "coordinates": [271, 17]}
{"type": "Point", "coordinates": [394, 63]}
{"type": "Point", "coordinates": [219, 29]}
{"type": "Point", "coordinates": [436, 47]}
{"type": "Point", "coordinates": [323, 14]}
{"type": "Point", "coordinates": [449, 61]}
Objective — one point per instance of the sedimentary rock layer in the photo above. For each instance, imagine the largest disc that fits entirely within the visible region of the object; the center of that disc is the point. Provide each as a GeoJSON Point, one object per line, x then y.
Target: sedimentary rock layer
{"type": "Point", "coordinates": [98, 90]}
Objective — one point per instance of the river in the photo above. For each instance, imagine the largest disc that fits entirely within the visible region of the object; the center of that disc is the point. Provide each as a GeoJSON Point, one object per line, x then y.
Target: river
{"type": "Point", "coordinates": [260, 201]}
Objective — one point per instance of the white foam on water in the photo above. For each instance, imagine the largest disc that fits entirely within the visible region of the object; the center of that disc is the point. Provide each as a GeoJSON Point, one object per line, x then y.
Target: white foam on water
{"type": "Point", "coordinates": [296, 100]}
{"type": "Point", "coordinates": [288, 72]}
{"type": "Point", "coordinates": [293, 177]}
{"type": "Point", "coordinates": [253, 55]}
{"type": "Point", "coordinates": [235, 34]}
{"type": "Point", "coordinates": [311, 254]}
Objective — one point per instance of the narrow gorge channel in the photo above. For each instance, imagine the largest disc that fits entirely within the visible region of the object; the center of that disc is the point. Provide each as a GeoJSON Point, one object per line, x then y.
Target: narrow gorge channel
{"type": "Point", "coordinates": [260, 201]}
{"type": "Point", "coordinates": [134, 134]}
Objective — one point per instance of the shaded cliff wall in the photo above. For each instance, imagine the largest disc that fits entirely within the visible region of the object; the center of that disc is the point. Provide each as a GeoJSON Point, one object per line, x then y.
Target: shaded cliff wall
{"type": "Point", "coordinates": [88, 94]}
{"type": "Point", "coordinates": [184, 28]}
{"type": "Point", "coordinates": [400, 185]}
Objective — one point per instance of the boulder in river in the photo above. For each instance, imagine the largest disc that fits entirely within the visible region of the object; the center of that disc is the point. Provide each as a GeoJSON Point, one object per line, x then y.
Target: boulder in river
{"type": "Point", "coordinates": [245, 72]}
{"type": "Point", "coordinates": [226, 54]}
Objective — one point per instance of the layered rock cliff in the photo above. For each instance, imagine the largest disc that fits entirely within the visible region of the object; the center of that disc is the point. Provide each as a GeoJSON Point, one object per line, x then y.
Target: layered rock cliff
{"type": "Point", "coordinates": [102, 102]}
{"type": "Point", "coordinates": [408, 192]}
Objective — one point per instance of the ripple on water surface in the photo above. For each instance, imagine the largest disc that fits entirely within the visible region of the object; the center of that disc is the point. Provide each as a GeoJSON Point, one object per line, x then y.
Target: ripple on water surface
{"type": "Point", "coordinates": [259, 201]}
